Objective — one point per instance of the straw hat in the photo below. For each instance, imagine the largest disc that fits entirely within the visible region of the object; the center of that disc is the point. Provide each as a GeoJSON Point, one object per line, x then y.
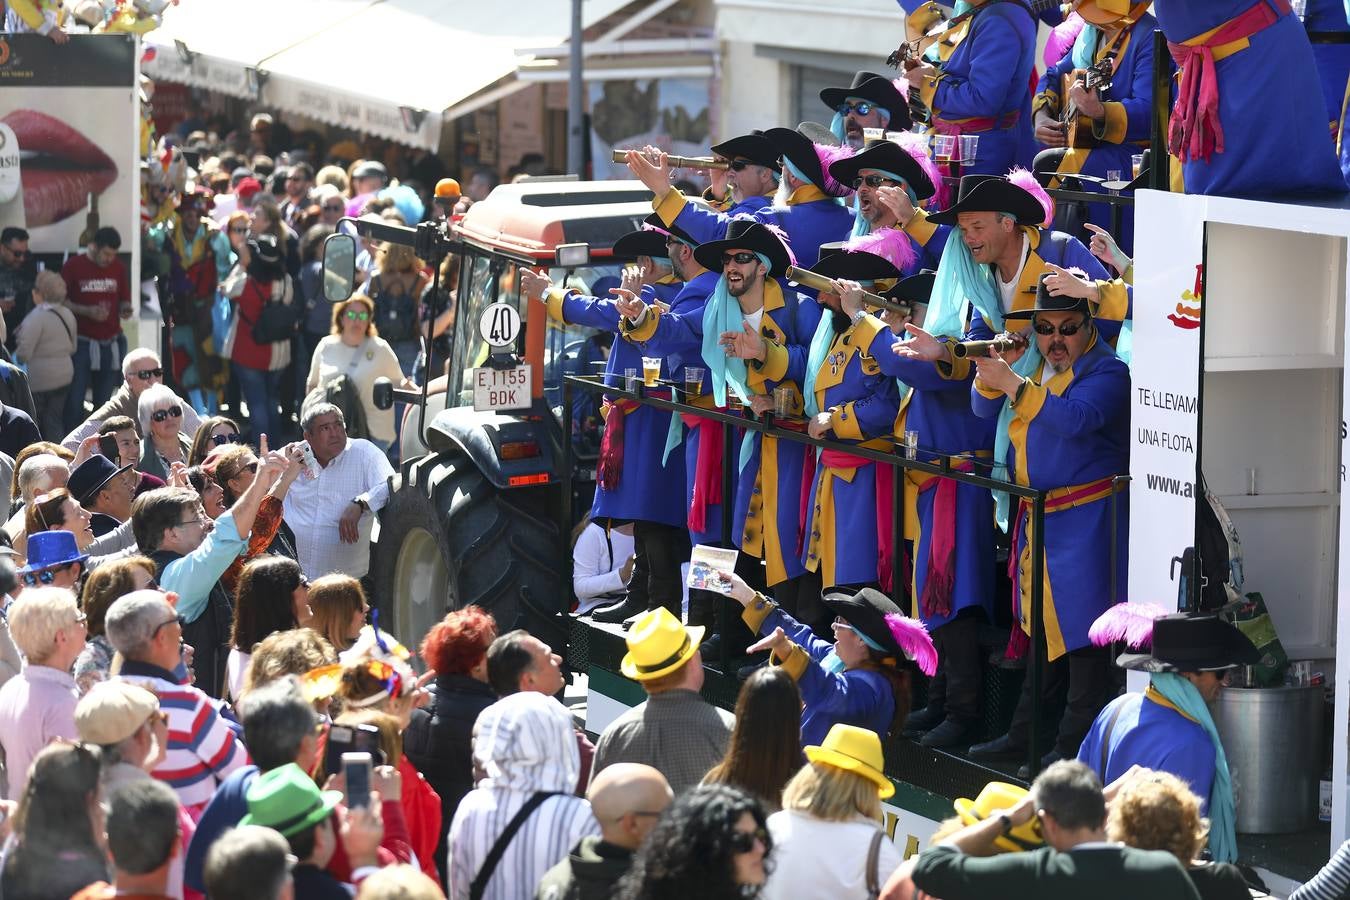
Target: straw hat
{"type": "Point", "coordinates": [855, 750]}
{"type": "Point", "coordinates": [996, 797]}
{"type": "Point", "coordinates": [658, 644]}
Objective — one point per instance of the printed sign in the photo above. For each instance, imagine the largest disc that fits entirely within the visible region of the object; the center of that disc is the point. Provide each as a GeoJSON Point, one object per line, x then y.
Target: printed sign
{"type": "Point", "coordinates": [501, 389]}
{"type": "Point", "coordinates": [499, 324]}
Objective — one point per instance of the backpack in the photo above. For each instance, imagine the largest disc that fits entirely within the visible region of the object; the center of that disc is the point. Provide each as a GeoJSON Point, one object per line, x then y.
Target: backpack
{"type": "Point", "coordinates": [395, 314]}
{"type": "Point", "coordinates": [279, 315]}
{"type": "Point", "coordinates": [1220, 554]}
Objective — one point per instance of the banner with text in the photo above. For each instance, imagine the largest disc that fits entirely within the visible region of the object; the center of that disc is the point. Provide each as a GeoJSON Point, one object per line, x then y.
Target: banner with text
{"type": "Point", "coordinates": [1165, 406]}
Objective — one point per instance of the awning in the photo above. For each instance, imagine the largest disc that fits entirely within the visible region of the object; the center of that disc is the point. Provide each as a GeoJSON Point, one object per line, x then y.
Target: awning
{"type": "Point", "coordinates": [390, 68]}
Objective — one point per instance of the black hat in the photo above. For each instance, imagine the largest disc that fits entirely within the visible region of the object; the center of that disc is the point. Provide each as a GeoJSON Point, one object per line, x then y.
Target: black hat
{"type": "Point", "coordinates": [857, 265]}
{"type": "Point", "coordinates": [991, 193]}
{"type": "Point", "coordinates": [643, 242]}
{"type": "Point", "coordinates": [371, 168]}
{"type": "Point", "coordinates": [749, 146]}
{"type": "Point", "coordinates": [1045, 302]}
{"type": "Point", "coordinates": [267, 260]}
{"type": "Point", "coordinates": [654, 221]}
{"type": "Point", "coordinates": [746, 234]}
{"type": "Point", "coordinates": [877, 88]}
{"type": "Point", "coordinates": [89, 477]}
{"type": "Point", "coordinates": [1186, 643]}
{"type": "Point", "coordinates": [866, 611]}
{"type": "Point", "coordinates": [886, 156]}
{"type": "Point", "coordinates": [797, 146]}
{"type": "Point", "coordinates": [915, 289]}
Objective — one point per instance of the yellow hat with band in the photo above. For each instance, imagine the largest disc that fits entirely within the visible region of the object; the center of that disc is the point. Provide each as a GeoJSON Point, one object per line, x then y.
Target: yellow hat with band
{"type": "Point", "coordinates": [658, 644]}
{"type": "Point", "coordinates": [1106, 12]}
{"type": "Point", "coordinates": [856, 750]}
{"type": "Point", "coordinates": [997, 797]}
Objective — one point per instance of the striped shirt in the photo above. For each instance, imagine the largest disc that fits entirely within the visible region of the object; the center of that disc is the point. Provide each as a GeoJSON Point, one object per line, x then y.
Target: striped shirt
{"type": "Point", "coordinates": [1332, 883]}
{"type": "Point", "coordinates": [203, 748]}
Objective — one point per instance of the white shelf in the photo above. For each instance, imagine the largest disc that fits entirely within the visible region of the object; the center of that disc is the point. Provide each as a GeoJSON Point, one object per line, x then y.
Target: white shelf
{"type": "Point", "coordinates": [1270, 363]}
{"type": "Point", "coordinates": [1280, 501]}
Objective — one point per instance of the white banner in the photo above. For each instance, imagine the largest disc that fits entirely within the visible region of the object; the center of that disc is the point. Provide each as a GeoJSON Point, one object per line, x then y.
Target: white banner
{"type": "Point", "coordinates": [1164, 402]}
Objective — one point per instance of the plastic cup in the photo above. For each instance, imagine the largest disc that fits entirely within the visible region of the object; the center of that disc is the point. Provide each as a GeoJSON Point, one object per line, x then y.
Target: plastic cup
{"type": "Point", "coordinates": [630, 380]}
{"type": "Point", "coordinates": [651, 370]}
{"type": "Point", "coordinates": [1136, 164]}
{"type": "Point", "coordinates": [944, 145]}
{"type": "Point", "coordinates": [1113, 175]}
{"type": "Point", "coordinates": [969, 144]}
{"type": "Point", "coordinates": [873, 135]}
{"type": "Point", "coordinates": [894, 136]}
{"type": "Point", "coordinates": [911, 445]}
{"type": "Point", "coordinates": [693, 382]}
{"type": "Point", "coordinates": [782, 402]}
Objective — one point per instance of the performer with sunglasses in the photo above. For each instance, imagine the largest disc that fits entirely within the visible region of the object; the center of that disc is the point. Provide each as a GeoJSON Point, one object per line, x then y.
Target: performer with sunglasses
{"type": "Point", "coordinates": [1065, 414]}
{"type": "Point", "coordinates": [871, 101]}
{"type": "Point", "coordinates": [750, 179]}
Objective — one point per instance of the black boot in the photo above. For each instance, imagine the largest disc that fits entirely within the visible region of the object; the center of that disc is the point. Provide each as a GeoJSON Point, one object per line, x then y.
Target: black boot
{"type": "Point", "coordinates": [999, 749]}
{"type": "Point", "coordinates": [612, 615]}
{"type": "Point", "coordinates": [953, 732]}
{"type": "Point", "coordinates": [926, 719]}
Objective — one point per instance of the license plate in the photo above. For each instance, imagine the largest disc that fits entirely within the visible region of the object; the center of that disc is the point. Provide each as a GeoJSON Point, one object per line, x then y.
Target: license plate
{"type": "Point", "coordinates": [500, 389]}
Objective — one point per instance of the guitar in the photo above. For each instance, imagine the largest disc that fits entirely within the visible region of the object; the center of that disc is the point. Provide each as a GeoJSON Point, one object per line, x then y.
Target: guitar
{"type": "Point", "coordinates": [1097, 77]}
{"type": "Point", "coordinates": [933, 24]}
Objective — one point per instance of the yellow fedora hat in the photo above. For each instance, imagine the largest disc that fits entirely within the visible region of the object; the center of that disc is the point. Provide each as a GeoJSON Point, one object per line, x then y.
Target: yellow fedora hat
{"type": "Point", "coordinates": [658, 644]}
{"type": "Point", "coordinates": [995, 797]}
{"type": "Point", "coordinates": [1102, 12]}
{"type": "Point", "coordinates": [856, 750]}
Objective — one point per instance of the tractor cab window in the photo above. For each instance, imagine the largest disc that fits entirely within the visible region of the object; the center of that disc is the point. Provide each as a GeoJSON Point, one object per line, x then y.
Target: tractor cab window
{"type": "Point", "coordinates": [484, 280]}
{"type": "Point", "coordinates": [576, 350]}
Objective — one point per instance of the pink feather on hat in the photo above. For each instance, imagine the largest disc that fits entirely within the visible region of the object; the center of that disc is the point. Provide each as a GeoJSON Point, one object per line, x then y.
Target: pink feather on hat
{"type": "Point", "coordinates": [1128, 622]}
{"type": "Point", "coordinates": [828, 156]}
{"type": "Point", "coordinates": [916, 145]}
{"type": "Point", "coordinates": [782, 237]}
{"type": "Point", "coordinates": [914, 640]}
{"type": "Point", "coordinates": [891, 244]}
{"type": "Point", "coordinates": [647, 226]}
{"type": "Point", "coordinates": [1027, 182]}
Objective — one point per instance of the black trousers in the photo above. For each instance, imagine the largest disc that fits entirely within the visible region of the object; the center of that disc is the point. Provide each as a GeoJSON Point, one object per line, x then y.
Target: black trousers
{"type": "Point", "coordinates": [658, 552]}
{"type": "Point", "coordinates": [1084, 679]}
{"type": "Point", "coordinates": [956, 686]}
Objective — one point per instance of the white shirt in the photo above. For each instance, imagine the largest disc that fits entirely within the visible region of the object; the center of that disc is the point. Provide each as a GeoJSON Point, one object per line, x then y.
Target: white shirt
{"type": "Point", "coordinates": [236, 664]}
{"type": "Point", "coordinates": [314, 506]}
{"type": "Point", "coordinates": [816, 858]}
{"type": "Point", "coordinates": [1006, 289]}
{"type": "Point", "coordinates": [373, 359]}
{"type": "Point", "coordinates": [595, 566]}
{"type": "Point", "coordinates": [755, 318]}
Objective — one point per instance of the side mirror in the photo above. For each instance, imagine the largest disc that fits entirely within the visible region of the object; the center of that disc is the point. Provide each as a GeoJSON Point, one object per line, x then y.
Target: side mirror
{"type": "Point", "coordinates": [339, 267]}
{"type": "Point", "coordinates": [382, 393]}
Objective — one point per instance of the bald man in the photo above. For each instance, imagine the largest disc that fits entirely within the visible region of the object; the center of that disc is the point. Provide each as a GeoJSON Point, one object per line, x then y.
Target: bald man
{"type": "Point", "coordinates": [626, 799]}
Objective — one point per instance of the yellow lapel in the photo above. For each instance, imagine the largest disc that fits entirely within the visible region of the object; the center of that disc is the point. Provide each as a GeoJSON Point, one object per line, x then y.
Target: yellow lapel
{"type": "Point", "coordinates": [1025, 295]}
{"type": "Point", "coordinates": [807, 193]}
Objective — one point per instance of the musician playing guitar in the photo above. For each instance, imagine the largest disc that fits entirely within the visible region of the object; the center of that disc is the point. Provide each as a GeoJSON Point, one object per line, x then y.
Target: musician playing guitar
{"type": "Point", "coordinates": [1110, 122]}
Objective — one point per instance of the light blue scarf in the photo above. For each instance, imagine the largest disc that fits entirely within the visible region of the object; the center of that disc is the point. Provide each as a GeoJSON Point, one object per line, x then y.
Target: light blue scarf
{"type": "Point", "coordinates": [961, 283]}
{"type": "Point", "coordinates": [862, 227]}
{"type": "Point", "coordinates": [1222, 811]}
{"type": "Point", "coordinates": [837, 123]}
{"type": "Point", "coordinates": [815, 358]}
{"type": "Point", "coordinates": [1084, 52]}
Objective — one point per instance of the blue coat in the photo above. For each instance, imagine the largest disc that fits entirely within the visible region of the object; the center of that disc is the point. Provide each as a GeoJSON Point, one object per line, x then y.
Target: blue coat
{"type": "Point", "coordinates": [1276, 75]}
{"type": "Point", "coordinates": [938, 409]}
{"type": "Point", "coordinates": [988, 77]}
{"type": "Point", "coordinates": [1125, 130]}
{"type": "Point", "coordinates": [1069, 435]}
{"type": "Point", "coordinates": [677, 337]}
{"type": "Point", "coordinates": [639, 496]}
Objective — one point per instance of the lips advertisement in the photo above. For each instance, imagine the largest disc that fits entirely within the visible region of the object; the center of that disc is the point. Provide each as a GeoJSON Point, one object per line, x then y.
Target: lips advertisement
{"type": "Point", "coordinates": [68, 134]}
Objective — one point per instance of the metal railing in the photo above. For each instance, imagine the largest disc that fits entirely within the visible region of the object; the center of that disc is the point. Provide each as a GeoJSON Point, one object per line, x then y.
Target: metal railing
{"type": "Point", "coordinates": [943, 467]}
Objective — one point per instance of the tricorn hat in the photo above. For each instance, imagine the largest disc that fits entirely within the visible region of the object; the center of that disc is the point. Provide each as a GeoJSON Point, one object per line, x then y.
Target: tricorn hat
{"type": "Point", "coordinates": [912, 290]}
{"type": "Point", "coordinates": [880, 623]}
{"type": "Point", "coordinates": [1046, 302]}
{"type": "Point", "coordinates": [885, 156]}
{"type": "Point", "coordinates": [798, 146]}
{"type": "Point", "coordinates": [643, 242]}
{"type": "Point", "coordinates": [991, 193]}
{"type": "Point", "coordinates": [1193, 643]}
{"type": "Point", "coordinates": [753, 147]}
{"type": "Point", "coordinates": [855, 265]}
{"type": "Point", "coordinates": [746, 234]}
{"type": "Point", "coordinates": [879, 90]}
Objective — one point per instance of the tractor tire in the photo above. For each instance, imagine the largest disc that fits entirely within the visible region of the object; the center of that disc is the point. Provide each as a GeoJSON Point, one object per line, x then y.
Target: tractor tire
{"type": "Point", "coordinates": [448, 538]}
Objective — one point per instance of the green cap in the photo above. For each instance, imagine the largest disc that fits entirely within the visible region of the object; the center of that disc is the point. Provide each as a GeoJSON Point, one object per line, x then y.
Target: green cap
{"type": "Point", "coordinates": [288, 801]}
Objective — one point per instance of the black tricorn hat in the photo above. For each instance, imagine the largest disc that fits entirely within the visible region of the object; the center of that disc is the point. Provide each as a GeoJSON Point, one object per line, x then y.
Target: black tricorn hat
{"type": "Point", "coordinates": [1045, 302]}
{"type": "Point", "coordinates": [878, 89]}
{"type": "Point", "coordinates": [857, 265]}
{"type": "Point", "coordinates": [885, 156]}
{"type": "Point", "coordinates": [1191, 643]}
{"type": "Point", "coordinates": [912, 290]}
{"type": "Point", "coordinates": [643, 242]}
{"type": "Point", "coordinates": [654, 221]}
{"type": "Point", "coordinates": [797, 146]}
{"type": "Point", "coordinates": [866, 611]}
{"type": "Point", "coordinates": [992, 193]}
{"type": "Point", "coordinates": [749, 146]}
{"type": "Point", "coordinates": [746, 234]}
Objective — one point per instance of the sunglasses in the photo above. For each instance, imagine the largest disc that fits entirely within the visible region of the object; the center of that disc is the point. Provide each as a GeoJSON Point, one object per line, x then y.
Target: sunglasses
{"type": "Point", "coordinates": [160, 415]}
{"type": "Point", "coordinates": [357, 315]}
{"type": "Point", "coordinates": [147, 374]}
{"type": "Point", "coordinates": [19, 253]}
{"type": "Point", "coordinates": [741, 257]}
{"type": "Point", "coordinates": [739, 165]}
{"type": "Point", "coordinates": [841, 622]}
{"type": "Point", "coordinates": [862, 108]}
{"type": "Point", "coordinates": [239, 229]}
{"type": "Point", "coordinates": [872, 181]}
{"type": "Point", "coordinates": [251, 468]}
{"type": "Point", "coordinates": [47, 576]}
{"type": "Point", "coordinates": [744, 841]}
{"type": "Point", "coordinates": [179, 619]}
{"type": "Point", "coordinates": [1067, 329]}
{"type": "Point", "coordinates": [222, 439]}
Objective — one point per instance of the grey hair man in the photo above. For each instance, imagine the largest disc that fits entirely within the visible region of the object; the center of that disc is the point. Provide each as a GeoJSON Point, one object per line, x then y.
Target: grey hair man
{"type": "Point", "coordinates": [140, 369]}
{"type": "Point", "coordinates": [250, 863]}
{"type": "Point", "coordinates": [144, 838]}
{"type": "Point", "coordinates": [332, 514]}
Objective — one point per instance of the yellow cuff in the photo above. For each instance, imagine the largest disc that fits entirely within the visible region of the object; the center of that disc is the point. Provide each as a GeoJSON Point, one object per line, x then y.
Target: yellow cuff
{"type": "Point", "coordinates": [1029, 403]}
{"type": "Point", "coordinates": [643, 332]}
{"type": "Point", "coordinates": [954, 369]}
{"type": "Point", "coordinates": [1128, 276]}
{"type": "Point", "coordinates": [553, 299]}
{"type": "Point", "coordinates": [844, 423]}
{"type": "Point", "coordinates": [756, 611]}
{"type": "Point", "coordinates": [1047, 100]}
{"type": "Point", "coordinates": [1111, 129]}
{"type": "Point", "coordinates": [986, 391]}
{"type": "Point", "coordinates": [1114, 305]}
{"type": "Point", "coordinates": [774, 367]}
{"type": "Point", "coordinates": [669, 206]}
{"type": "Point", "coordinates": [795, 664]}
{"type": "Point", "coordinates": [927, 90]}
{"type": "Point", "coordinates": [920, 228]}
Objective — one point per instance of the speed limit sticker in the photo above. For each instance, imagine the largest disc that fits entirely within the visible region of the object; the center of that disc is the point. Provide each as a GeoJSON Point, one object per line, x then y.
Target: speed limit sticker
{"type": "Point", "coordinates": [499, 324]}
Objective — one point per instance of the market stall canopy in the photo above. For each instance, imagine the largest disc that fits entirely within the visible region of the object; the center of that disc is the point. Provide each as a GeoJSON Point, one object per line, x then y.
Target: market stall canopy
{"type": "Point", "coordinates": [389, 68]}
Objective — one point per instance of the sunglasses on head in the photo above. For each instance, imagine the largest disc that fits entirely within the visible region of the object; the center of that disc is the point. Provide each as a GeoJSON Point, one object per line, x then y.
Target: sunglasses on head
{"type": "Point", "coordinates": [873, 181]}
{"type": "Point", "coordinates": [1067, 329]}
{"type": "Point", "coordinates": [222, 439]}
{"type": "Point", "coordinates": [147, 374]}
{"type": "Point", "coordinates": [744, 841]}
{"type": "Point", "coordinates": [160, 415]}
{"type": "Point", "coordinates": [862, 108]}
{"type": "Point", "coordinates": [740, 258]}
{"type": "Point", "coordinates": [357, 315]}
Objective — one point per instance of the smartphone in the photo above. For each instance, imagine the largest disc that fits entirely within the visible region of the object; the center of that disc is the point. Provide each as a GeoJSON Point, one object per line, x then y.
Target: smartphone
{"type": "Point", "coordinates": [344, 739]}
{"type": "Point", "coordinates": [356, 769]}
{"type": "Point", "coordinates": [107, 445]}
